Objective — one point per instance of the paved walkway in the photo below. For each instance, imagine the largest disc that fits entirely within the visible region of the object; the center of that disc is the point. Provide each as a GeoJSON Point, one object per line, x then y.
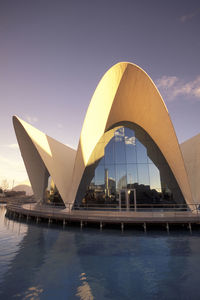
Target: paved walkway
{"type": "Point", "coordinates": [117, 216]}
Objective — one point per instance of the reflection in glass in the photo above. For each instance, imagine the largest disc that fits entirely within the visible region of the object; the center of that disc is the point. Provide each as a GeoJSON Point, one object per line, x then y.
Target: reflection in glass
{"type": "Point", "coordinates": [132, 163]}
{"type": "Point", "coordinates": [120, 156]}
{"type": "Point", "coordinates": [130, 145]}
{"type": "Point", "coordinates": [121, 181]}
{"type": "Point", "coordinates": [110, 152]}
{"type": "Point", "coordinates": [132, 174]}
{"type": "Point", "coordinates": [100, 175]}
{"type": "Point", "coordinates": [110, 181]}
{"type": "Point", "coordinates": [141, 152]}
{"type": "Point", "coordinates": [52, 194]}
{"type": "Point", "coordinates": [111, 172]}
{"type": "Point", "coordinates": [102, 161]}
{"type": "Point", "coordinates": [143, 174]}
{"type": "Point", "coordinates": [154, 176]}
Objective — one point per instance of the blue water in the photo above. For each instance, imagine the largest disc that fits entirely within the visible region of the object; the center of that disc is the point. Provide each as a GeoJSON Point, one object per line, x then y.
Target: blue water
{"type": "Point", "coordinates": [41, 262]}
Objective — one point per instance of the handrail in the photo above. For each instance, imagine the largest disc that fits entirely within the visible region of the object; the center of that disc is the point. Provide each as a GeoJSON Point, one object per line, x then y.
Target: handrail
{"type": "Point", "coordinates": [103, 207]}
{"type": "Point", "coordinates": [110, 214]}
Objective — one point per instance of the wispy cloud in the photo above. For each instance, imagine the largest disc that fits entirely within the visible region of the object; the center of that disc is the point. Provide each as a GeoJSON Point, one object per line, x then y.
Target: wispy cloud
{"type": "Point", "coordinates": [172, 87]}
{"type": "Point", "coordinates": [166, 81]}
{"type": "Point", "coordinates": [130, 140]}
{"type": "Point", "coordinates": [11, 163]}
{"type": "Point", "coordinates": [188, 17]}
{"type": "Point", "coordinates": [31, 119]}
{"type": "Point", "coordinates": [12, 169]}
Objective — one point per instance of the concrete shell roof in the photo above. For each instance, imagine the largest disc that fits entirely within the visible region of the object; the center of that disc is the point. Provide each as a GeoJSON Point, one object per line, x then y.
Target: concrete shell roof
{"type": "Point", "coordinates": [125, 94]}
{"type": "Point", "coordinates": [43, 155]}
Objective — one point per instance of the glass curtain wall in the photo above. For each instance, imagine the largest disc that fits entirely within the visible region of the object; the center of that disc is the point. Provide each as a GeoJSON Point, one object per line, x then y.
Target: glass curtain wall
{"type": "Point", "coordinates": [52, 196]}
{"type": "Point", "coordinates": [133, 167]}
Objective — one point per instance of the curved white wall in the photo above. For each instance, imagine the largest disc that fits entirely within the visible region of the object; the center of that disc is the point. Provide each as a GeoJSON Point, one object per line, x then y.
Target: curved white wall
{"type": "Point", "coordinates": [41, 152]}
{"type": "Point", "coordinates": [125, 93]}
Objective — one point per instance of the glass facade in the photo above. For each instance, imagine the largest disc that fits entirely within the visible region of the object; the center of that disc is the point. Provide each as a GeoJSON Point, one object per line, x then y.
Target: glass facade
{"type": "Point", "coordinates": [52, 196]}
{"type": "Point", "coordinates": [133, 171]}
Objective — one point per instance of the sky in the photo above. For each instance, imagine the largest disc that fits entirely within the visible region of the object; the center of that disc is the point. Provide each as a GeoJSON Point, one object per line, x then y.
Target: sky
{"type": "Point", "coordinates": [54, 52]}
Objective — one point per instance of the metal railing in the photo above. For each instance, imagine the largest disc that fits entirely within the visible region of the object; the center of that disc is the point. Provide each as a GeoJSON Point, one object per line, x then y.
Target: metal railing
{"type": "Point", "coordinates": [151, 210]}
{"type": "Point", "coordinates": [139, 207]}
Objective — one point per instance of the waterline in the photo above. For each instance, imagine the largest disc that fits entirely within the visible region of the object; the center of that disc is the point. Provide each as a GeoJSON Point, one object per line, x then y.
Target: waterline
{"type": "Point", "coordinates": [42, 262]}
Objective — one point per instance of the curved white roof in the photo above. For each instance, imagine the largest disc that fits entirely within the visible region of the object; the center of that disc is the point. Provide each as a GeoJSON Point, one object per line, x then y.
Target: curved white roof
{"type": "Point", "coordinates": [125, 94]}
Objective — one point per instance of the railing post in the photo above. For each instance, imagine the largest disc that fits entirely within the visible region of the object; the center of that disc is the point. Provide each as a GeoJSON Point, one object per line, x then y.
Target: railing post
{"type": "Point", "coordinates": [167, 227]}
{"type": "Point", "coordinates": [101, 225]}
{"type": "Point", "coordinates": [122, 226]}
{"type": "Point", "coordinates": [145, 227]}
{"type": "Point", "coordinates": [190, 227]}
{"type": "Point", "coordinates": [135, 199]}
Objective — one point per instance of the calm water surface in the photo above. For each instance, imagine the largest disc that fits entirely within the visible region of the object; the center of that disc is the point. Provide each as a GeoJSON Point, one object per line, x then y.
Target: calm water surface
{"type": "Point", "coordinates": [41, 262]}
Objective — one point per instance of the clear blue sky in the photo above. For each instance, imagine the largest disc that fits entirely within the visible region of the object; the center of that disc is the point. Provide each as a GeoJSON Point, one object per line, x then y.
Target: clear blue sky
{"type": "Point", "coordinates": [53, 54]}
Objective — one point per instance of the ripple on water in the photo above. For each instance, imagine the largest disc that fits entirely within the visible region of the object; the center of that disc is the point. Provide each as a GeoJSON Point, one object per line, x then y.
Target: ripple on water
{"type": "Point", "coordinates": [40, 262]}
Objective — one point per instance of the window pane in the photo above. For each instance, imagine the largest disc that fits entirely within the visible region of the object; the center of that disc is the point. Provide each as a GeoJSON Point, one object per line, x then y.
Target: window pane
{"type": "Point", "coordinates": [121, 177]}
{"type": "Point", "coordinates": [154, 175]}
{"type": "Point", "coordinates": [120, 132]}
{"type": "Point", "coordinates": [130, 145]}
{"type": "Point", "coordinates": [120, 156]}
{"type": "Point", "coordinates": [92, 184]}
{"type": "Point", "coordinates": [111, 171]}
{"type": "Point", "coordinates": [100, 176]}
{"type": "Point", "coordinates": [129, 132]}
{"type": "Point", "coordinates": [141, 152]}
{"type": "Point", "coordinates": [110, 179]}
{"type": "Point", "coordinates": [132, 176]}
{"type": "Point", "coordinates": [102, 160]}
{"type": "Point", "coordinates": [126, 165]}
{"type": "Point", "coordinates": [143, 174]}
{"type": "Point", "coordinates": [110, 152]}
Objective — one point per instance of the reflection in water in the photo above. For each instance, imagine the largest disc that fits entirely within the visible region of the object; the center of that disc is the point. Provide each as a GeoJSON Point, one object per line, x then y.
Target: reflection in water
{"type": "Point", "coordinates": [51, 263]}
{"type": "Point", "coordinates": [84, 291]}
{"type": "Point", "coordinates": [11, 234]}
{"type": "Point", "coordinates": [32, 293]}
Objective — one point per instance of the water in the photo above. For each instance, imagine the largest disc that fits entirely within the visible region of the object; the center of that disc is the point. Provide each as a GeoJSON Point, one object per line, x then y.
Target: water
{"type": "Point", "coordinates": [41, 262]}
